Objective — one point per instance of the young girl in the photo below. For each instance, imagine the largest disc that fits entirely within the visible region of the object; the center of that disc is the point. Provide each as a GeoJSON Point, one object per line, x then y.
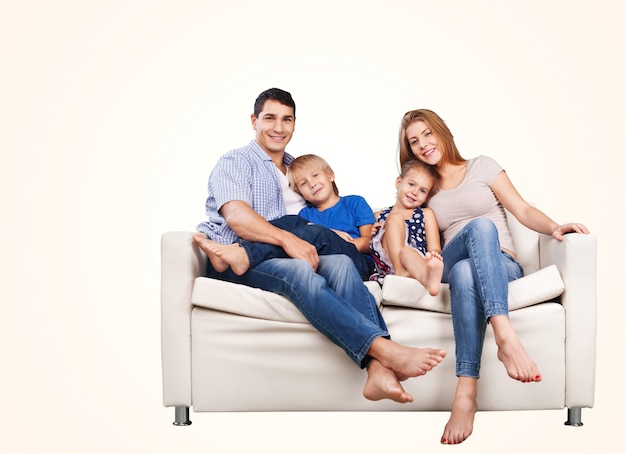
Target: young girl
{"type": "Point", "coordinates": [408, 244]}
{"type": "Point", "coordinates": [349, 217]}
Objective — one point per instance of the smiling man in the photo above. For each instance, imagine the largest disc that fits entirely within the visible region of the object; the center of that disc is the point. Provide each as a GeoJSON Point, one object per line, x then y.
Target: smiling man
{"type": "Point", "coordinates": [248, 190]}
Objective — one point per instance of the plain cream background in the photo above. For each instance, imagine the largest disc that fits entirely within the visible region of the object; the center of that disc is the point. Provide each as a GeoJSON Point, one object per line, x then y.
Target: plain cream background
{"type": "Point", "coordinates": [112, 114]}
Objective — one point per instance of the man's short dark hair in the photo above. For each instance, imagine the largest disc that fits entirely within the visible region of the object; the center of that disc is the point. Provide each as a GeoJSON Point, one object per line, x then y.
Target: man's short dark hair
{"type": "Point", "coordinates": [282, 96]}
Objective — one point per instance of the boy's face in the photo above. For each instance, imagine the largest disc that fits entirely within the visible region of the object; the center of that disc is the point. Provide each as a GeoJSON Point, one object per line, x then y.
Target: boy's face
{"type": "Point", "coordinates": [413, 188]}
{"type": "Point", "coordinates": [274, 126]}
{"type": "Point", "coordinates": [315, 185]}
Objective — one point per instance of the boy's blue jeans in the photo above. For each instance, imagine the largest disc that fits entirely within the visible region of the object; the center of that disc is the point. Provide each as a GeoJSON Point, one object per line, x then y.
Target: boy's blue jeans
{"type": "Point", "coordinates": [478, 272]}
{"type": "Point", "coordinates": [325, 241]}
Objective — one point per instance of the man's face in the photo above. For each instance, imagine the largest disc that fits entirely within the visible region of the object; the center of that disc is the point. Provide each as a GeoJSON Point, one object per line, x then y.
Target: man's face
{"type": "Point", "coordinates": [274, 126]}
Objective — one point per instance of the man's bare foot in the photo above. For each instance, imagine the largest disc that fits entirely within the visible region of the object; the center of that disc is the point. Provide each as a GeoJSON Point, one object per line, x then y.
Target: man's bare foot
{"type": "Point", "coordinates": [511, 352]}
{"type": "Point", "coordinates": [464, 407]}
{"type": "Point", "coordinates": [434, 271]}
{"type": "Point", "coordinates": [223, 256]}
{"type": "Point", "coordinates": [405, 361]}
{"type": "Point", "coordinates": [382, 383]}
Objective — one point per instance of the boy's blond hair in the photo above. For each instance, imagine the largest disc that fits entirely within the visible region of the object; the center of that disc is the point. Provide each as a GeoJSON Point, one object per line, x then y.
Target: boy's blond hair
{"type": "Point", "coordinates": [305, 163]}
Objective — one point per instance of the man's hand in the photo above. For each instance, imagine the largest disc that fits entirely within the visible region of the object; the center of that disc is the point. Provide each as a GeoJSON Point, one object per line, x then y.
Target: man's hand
{"type": "Point", "coordinates": [299, 249]}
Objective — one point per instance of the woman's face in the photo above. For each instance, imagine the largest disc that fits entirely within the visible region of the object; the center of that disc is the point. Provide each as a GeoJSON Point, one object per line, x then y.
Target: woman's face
{"type": "Point", "coordinates": [423, 143]}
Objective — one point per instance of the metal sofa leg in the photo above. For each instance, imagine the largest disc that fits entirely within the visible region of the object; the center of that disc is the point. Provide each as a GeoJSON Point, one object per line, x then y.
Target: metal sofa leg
{"type": "Point", "coordinates": [181, 416]}
{"type": "Point", "coordinates": [574, 417]}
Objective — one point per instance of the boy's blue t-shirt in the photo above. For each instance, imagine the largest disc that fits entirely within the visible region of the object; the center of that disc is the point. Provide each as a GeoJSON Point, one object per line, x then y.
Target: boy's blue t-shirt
{"type": "Point", "coordinates": [347, 215]}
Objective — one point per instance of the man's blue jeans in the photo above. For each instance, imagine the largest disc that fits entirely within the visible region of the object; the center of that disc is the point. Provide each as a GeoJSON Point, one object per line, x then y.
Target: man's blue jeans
{"type": "Point", "coordinates": [325, 241]}
{"type": "Point", "coordinates": [334, 300]}
{"type": "Point", "coordinates": [478, 272]}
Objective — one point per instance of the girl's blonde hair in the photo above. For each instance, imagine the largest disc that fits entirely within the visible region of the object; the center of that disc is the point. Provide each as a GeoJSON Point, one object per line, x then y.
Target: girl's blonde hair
{"type": "Point", "coordinates": [305, 163]}
{"type": "Point", "coordinates": [445, 141]}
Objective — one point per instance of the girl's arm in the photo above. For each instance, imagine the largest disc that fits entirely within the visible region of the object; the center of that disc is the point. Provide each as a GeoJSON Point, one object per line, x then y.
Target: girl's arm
{"type": "Point", "coordinates": [528, 215]}
{"type": "Point", "coordinates": [433, 239]}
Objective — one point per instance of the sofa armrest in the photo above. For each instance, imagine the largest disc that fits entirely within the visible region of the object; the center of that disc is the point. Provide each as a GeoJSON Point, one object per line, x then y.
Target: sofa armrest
{"type": "Point", "coordinates": [181, 263]}
{"type": "Point", "coordinates": [575, 258]}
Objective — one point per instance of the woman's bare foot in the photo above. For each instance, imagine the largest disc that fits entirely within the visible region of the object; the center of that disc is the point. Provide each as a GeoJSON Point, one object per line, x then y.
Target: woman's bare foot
{"type": "Point", "coordinates": [434, 271]}
{"type": "Point", "coordinates": [382, 383]}
{"type": "Point", "coordinates": [405, 361]}
{"type": "Point", "coordinates": [464, 407]}
{"type": "Point", "coordinates": [511, 352]}
{"type": "Point", "coordinates": [223, 256]}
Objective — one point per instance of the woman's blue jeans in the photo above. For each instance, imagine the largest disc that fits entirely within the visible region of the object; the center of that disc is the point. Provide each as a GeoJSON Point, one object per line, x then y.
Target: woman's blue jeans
{"type": "Point", "coordinates": [324, 239]}
{"type": "Point", "coordinates": [478, 272]}
{"type": "Point", "coordinates": [334, 299]}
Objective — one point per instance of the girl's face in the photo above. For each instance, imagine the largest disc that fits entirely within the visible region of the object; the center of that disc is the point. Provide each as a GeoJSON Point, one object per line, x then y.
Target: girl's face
{"type": "Point", "coordinates": [423, 143]}
{"type": "Point", "coordinates": [413, 188]}
{"type": "Point", "coordinates": [316, 186]}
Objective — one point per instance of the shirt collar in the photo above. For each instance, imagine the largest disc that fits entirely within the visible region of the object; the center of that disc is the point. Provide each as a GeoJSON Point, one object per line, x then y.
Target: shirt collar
{"type": "Point", "coordinates": [256, 148]}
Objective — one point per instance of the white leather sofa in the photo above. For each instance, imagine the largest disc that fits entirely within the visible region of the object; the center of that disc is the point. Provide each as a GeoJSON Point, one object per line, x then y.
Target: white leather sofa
{"type": "Point", "coordinates": [228, 347]}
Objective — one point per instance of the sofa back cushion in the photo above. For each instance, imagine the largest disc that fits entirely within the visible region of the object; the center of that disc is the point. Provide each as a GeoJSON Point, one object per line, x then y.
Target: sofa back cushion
{"type": "Point", "coordinates": [526, 244]}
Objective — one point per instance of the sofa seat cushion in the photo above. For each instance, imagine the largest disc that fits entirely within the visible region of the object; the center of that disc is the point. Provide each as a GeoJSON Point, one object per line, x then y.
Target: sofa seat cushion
{"type": "Point", "coordinates": [534, 288]}
{"type": "Point", "coordinates": [252, 302]}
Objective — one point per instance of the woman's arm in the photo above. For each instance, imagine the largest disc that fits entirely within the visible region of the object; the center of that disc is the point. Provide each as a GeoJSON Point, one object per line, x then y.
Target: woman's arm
{"type": "Point", "coordinates": [528, 215]}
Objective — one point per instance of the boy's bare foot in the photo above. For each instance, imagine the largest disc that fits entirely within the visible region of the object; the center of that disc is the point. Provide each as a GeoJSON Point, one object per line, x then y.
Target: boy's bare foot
{"type": "Point", "coordinates": [511, 352]}
{"type": "Point", "coordinates": [223, 256]}
{"type": "Point", "coordinates": [434, 271]}
{"type": "Point", "coordinates": [382, 383]}
{"type": "Point", "coordinates": [405, 361]}
{"type": "Point", "coordinates": [464, 407]}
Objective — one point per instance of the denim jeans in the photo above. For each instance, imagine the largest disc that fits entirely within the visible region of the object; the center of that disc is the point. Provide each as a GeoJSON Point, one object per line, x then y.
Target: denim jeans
{"type": "Point", "coordinates": [478, 272]}
{"type": "Point", "coordinates": [334, 299]}
{"type": "Point", "coordinates": [325, 241]}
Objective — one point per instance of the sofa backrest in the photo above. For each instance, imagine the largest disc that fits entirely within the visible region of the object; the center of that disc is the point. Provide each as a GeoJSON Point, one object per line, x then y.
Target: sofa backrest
{"type": "Point", "coordinates": [526, 244]}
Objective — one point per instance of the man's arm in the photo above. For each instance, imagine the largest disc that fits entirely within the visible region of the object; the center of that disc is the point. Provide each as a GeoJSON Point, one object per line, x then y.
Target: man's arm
{"type": "Point", "coordinates": [251, 226]}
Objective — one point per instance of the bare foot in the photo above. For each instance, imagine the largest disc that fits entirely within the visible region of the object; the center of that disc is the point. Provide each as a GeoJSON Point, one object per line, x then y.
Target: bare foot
{"type": "Point", "coordinates": [223, 256]}
{"type": "Point", "coordinates": [405, 361]}
{"type": "Point", "coordinates": [382, 383]}
{"type": "Point", "coordinates": [434, 271]}
{"type": "Point", "coordinates": [464, 407]}
{"type": "Point", "coordinates": [511, 352]}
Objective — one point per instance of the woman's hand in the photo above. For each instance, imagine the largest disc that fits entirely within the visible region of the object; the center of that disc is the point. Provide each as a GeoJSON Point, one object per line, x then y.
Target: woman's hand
{"type": "Point", "coordinates": [568, 228]}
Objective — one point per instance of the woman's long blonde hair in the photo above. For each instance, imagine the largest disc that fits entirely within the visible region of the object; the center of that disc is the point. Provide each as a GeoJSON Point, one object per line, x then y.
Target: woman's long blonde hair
{"type": "Point", "coordinates": [445, 141]}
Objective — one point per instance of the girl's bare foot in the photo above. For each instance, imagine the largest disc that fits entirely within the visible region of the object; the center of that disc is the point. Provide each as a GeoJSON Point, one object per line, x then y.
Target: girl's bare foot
{"type": "Point", "coordinates": [464, 407]}
{"type": "Point", "coordinates": [382, 383]}
{"type": "Point", "coordinates": [511, 352]}
{"type": "Point", "coordinates": [405, 361]}
{"type": "Point", "coordinates": [434, 271]}
{"type": "Point", "coordinates": [223, 256]}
